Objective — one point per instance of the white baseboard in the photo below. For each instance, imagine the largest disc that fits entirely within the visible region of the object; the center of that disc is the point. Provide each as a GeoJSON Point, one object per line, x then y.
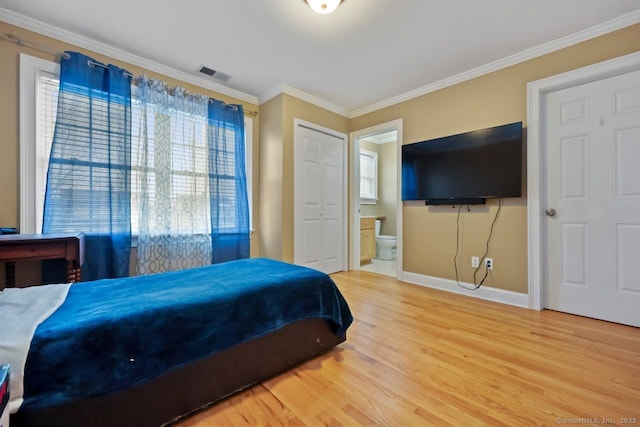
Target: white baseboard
{"type": "Point", "coordinates": [517, 299]}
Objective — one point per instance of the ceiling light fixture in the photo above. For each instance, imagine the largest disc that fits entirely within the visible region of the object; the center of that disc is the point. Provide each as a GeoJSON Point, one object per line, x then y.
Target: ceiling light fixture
{"type": "Point", "coordinates": [323, 6]}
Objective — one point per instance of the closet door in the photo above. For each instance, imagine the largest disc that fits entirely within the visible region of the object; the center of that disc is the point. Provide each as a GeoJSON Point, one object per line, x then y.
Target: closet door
{"type": "Point", "coordinates": [319, 192]}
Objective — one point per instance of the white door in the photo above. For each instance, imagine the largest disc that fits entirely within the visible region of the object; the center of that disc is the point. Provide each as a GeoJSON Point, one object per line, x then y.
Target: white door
{"type": "Point", "coordinates": [319, 227]}
{"type": "Point", "coordinates": [593, 199]}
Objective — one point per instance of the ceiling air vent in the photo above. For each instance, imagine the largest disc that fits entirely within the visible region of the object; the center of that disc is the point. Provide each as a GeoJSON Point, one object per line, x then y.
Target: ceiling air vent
{"type": "Point", "coordinates": [208, 71]}
{"type": "Point", "coordinates": [214, 74]}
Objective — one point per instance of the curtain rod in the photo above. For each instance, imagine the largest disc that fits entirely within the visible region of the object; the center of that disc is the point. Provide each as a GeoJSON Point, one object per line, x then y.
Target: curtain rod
{"type": "Point", "coordinates": [22, 42]}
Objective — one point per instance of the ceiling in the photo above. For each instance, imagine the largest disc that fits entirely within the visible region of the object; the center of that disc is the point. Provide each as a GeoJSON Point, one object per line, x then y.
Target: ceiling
{"type": "Point", "coordinates": [365, 54]}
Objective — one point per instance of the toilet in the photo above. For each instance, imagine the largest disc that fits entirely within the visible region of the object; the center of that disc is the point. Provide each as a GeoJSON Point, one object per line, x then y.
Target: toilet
{"type": "Point", "coordinates": [385, 245]}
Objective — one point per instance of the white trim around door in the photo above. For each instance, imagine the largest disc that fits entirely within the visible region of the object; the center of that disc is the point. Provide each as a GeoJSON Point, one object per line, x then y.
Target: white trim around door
{"type": "Point", "coordinates": [536, 93]}
{"type": "Point", "coordinates": [354, 200]}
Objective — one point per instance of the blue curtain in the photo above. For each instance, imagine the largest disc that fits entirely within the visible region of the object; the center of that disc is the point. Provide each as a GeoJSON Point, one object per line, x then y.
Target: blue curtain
{"type": "Point", "coordinates": [88, 182]}
{"type": "Point", "coordinates": [227, 182]}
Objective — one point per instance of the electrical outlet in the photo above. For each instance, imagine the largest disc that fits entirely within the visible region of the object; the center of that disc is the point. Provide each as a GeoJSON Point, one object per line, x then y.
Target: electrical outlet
{"type": "Point", "coordinates": [488, 263]}
{"type": "Point", "coordinates": [475, 262]}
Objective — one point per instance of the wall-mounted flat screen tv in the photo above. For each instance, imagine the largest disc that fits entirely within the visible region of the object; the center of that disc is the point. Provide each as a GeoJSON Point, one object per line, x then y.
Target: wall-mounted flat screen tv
{"type": "Point", "coordinates": [466, 168]}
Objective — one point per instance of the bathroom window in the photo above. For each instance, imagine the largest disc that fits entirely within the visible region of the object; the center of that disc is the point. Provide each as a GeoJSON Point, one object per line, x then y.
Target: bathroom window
{"type": "Point", "coordinates": [368, 177]}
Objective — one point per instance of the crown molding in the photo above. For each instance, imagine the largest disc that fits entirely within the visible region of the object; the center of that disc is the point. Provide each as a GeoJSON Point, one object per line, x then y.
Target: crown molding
{"type": "Point", "coordinates": [618, 23]}
{"type": "Point", "coordinates": [297, 93]}
{"type": "Point", "coordinates": [112, 52]}
{"type": "Point", "coordinates": [270, 94]}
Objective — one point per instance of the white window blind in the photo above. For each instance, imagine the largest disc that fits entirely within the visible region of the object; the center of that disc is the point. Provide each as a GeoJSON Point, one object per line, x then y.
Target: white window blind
{"type": "Point", "coordinates": [47, 102]}
{"type": "Point", "coordinates": [226, 181]}
{"type": "Point", "coordinates": [177, 145]}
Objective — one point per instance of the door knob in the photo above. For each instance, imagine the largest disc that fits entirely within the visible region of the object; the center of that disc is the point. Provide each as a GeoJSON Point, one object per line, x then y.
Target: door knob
{"type": "Point", "coordinates": [550, 212]}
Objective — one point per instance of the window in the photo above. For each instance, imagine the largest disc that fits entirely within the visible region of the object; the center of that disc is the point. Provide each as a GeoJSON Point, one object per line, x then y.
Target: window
{"type": "Point", "coordinates": [38, 103]}
{"type": "Point", "coordinates": [368, 177]}
{"type": "Point", "coordinates": [182, 155]}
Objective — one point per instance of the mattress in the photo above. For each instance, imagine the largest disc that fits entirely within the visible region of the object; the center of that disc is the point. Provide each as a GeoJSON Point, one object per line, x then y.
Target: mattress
{"type": "Point", "coordinates": [112, 334]}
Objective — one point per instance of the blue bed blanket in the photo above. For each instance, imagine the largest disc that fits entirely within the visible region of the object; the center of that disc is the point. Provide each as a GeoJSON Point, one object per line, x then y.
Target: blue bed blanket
{"type": "Point", "coordinates": [111, 334]}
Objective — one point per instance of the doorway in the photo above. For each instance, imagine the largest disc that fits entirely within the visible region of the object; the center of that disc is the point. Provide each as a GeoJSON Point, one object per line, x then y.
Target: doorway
{"type": "Point", "coordinates": [386, 136]}
{"type": "Point", "coordinates": [584, 192]}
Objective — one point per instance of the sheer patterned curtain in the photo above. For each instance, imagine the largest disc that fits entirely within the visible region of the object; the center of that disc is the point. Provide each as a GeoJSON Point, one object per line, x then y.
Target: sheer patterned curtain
{"type": "Point", "coordinates": [228, 182]}
{"type": "Point", "coordinates": [169, 173]}
{"type": "Point", "coordinates": [88, 179]}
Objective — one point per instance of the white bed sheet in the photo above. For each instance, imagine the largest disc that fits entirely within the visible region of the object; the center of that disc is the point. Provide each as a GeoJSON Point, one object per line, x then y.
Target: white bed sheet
{"type": "Point", "coordinates": [21, 311]}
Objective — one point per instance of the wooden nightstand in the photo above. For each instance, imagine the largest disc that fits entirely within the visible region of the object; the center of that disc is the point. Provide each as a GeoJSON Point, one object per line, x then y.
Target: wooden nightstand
{"type": "Point", "coordinates": [19, 247]}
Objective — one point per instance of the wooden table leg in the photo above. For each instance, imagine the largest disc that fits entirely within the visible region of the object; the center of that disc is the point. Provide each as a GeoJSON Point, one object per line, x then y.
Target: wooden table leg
{"type": "Point", "coordinates": [73, 272]}
{"type": "Point", "coordinates": [10, 274]}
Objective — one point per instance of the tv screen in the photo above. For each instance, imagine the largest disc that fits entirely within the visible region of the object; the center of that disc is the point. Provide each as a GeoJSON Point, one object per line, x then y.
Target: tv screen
{"type": "Point", "coordinates": [465, 168]}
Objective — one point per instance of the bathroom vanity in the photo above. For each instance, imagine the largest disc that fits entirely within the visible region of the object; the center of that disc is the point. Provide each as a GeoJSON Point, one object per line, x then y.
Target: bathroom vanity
{"type": "Point", "coordinates": [368, 234]}
{"type": "Point", "coordinates": [367, 239]}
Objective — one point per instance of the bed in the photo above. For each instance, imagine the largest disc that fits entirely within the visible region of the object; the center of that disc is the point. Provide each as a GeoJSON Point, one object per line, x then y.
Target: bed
{"type": "Point", "coordinates": [147, 350]}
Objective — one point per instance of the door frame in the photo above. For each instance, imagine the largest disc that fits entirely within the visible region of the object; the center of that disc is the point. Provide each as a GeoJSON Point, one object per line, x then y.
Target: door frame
{"type": "Point", "coordinates": [297, 138]}
{"type": "Point", "coordinates": [536, 151]}
{"type": "Point", "coordinates": [354, 200]}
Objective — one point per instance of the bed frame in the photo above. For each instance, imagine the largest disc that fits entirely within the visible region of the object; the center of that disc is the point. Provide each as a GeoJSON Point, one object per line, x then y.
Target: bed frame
{"type": "Point", "coordinates": [186, 389]}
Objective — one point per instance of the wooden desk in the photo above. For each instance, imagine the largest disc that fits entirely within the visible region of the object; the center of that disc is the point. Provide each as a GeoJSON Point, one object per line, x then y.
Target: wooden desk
{"type": "Point", "coordinates": [20, 247]}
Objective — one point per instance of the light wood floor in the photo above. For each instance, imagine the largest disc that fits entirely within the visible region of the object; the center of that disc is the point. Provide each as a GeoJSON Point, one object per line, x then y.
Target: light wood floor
{"type": "Point", "coordinates": [417, 356]}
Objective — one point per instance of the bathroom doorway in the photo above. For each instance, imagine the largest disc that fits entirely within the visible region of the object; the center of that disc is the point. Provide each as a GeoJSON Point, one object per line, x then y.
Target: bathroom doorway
{"type": "Point", "coordinates": [379, 180]}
